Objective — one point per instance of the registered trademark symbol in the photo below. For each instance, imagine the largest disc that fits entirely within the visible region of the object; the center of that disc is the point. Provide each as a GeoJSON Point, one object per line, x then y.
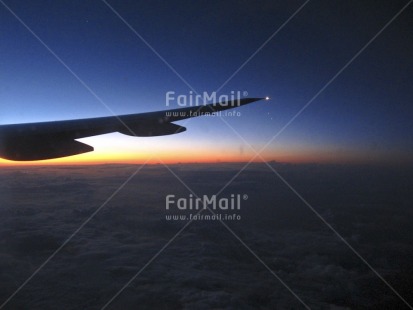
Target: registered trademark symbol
{"type": "Point", "coordinates": [245, 197]}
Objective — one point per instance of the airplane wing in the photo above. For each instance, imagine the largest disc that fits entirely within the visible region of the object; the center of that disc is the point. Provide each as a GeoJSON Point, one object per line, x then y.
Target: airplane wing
{"type": "Point", "coordinates": [47, 140]}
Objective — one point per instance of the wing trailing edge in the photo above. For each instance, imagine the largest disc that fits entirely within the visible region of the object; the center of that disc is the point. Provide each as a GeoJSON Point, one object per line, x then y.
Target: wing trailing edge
{"type": "Point", "coordinates": [40, 148]}
{"type": "Point", "coordinates": [152, 129]}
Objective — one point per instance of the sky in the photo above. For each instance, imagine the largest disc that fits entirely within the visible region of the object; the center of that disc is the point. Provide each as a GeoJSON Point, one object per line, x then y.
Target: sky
{"type": "Point", "coordinates": [364, 115]}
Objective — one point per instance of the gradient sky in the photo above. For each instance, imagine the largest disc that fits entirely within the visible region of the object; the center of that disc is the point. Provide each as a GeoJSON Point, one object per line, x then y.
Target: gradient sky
{"type": "Point", "coordinates": [363, 116]}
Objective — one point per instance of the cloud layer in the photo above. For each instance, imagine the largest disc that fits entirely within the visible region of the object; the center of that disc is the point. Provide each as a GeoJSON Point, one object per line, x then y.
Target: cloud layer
{"type": "Point", "coordinates": [206, 266]}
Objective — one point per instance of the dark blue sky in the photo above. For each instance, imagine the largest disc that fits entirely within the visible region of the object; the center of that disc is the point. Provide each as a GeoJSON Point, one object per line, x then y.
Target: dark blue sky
{"type": "Point", "coordinates": [366, 112]}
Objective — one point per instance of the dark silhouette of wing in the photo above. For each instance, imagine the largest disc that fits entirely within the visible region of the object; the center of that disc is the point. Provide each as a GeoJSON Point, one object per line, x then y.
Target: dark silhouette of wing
{"type": "Point", "coordinates": [46, 140]}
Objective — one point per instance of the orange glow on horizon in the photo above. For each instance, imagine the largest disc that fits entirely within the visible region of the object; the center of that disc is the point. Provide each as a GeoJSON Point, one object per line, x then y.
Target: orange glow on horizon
{"type": "Point", "coordinates": [204, 156]}
{"type": "Point", "coordinates": [116, 158]}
